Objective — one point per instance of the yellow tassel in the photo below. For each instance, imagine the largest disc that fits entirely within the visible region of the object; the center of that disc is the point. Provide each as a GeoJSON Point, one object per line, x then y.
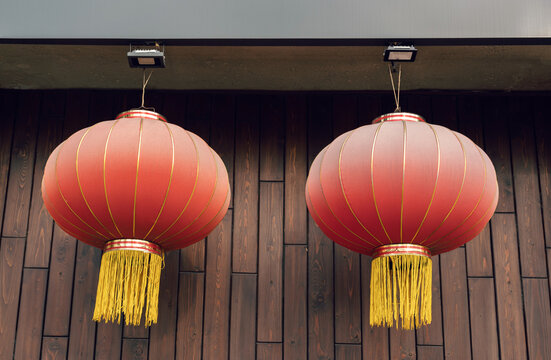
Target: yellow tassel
{"type": "Point", "coordinates": [126, 279]}
{"type": "Point", "coordinates": [401, 291]}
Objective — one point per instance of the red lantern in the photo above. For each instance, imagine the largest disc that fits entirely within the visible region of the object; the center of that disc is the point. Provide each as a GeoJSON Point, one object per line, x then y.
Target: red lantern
{"type": "Point", "coordinates": [135, 187]}
{"type": "Point", "coordinates": [401, 190]}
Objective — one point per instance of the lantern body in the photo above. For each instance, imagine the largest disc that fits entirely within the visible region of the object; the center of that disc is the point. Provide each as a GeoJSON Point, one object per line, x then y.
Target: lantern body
{"type": "Point", "coordinates": [401, 181]}
{"type": "Point", "coordinates": [136, 183]}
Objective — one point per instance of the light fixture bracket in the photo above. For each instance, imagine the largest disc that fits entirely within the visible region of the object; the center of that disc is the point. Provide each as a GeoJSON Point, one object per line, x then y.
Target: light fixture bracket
{"type": "Point", "coordinates": [146, 57]}
{"type": "Point", "coordinates": [400, 53]}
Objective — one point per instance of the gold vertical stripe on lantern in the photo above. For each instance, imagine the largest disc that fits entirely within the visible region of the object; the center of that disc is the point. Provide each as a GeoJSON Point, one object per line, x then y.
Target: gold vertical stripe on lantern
{"type": "Point", "coordinates": [129, 279]}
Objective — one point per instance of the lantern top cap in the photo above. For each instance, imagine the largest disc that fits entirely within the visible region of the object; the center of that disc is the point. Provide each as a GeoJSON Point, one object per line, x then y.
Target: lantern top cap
{"type": "Point", "coordinates": [399, 116]}
{"type": "Point", "coordinates": [141, 113]}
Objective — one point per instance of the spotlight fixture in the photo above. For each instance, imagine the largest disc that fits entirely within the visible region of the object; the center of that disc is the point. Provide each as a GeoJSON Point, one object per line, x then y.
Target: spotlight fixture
{"type": "Point", "coordinates": [400, 53]}
{"type": "Point", "coordinates": [146, 57]}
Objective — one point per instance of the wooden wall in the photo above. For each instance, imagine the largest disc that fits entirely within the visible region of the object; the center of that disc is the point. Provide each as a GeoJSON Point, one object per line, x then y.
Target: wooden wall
{"type": "Point", "coordinates": [267, 284]}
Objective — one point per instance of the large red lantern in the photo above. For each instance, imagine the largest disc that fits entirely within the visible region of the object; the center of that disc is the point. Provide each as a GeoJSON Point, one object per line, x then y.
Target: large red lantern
{"type": "Point", "coordinates": [135, 187]}
{"type": "Point", "coordinates": [401, 190]}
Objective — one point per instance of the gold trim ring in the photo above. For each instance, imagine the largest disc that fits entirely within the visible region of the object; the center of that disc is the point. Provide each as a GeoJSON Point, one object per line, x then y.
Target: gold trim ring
{"type": "Point", "coordinates": [401, 249]}
{"type": "Point", "coordinates": [399, 116]}
{"type": "Point", "coordinates": [141, 113]}
{"type": "Point", "coordinates": [133, 244]}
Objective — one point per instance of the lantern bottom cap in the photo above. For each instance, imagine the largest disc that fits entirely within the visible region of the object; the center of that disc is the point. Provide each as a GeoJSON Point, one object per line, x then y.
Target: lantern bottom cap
{"type": "Point", "coordinates": [128, 283]}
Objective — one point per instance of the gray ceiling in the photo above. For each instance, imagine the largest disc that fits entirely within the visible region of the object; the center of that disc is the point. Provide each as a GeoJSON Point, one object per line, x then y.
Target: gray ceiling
{"type": "Point", "coordinates": [509, 68]}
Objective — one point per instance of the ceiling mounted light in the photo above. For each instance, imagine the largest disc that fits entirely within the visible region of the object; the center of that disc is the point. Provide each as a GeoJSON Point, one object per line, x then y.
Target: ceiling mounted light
{"type": "Point", "coordinates": [400, 53]}
{"type": "Point", "coordinates": [146, 58]}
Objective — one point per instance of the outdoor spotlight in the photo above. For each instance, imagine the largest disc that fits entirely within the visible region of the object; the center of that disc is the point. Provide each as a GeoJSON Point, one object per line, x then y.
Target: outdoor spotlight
{"type": "Point", "coordinates": [146, 58]}
{"type": "Point", "coordinates": [400, 53]}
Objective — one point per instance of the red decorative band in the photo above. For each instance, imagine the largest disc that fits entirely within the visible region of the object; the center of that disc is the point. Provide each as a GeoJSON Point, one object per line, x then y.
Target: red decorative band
{"type": "Point", "coordinates": [399, 116]}
{"type": "Point", "coordinates": [133, 244]}
{"type": "Point", "coordinates": [401, 249]}
{"type": "Point", "coordinates": [140, 113]}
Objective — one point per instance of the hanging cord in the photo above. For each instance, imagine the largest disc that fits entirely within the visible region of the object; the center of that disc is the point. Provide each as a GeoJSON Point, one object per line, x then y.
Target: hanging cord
{"type": "Point", "coordinates": [396, 94]}
{"type": "Point", "coordinates": [144, 84]}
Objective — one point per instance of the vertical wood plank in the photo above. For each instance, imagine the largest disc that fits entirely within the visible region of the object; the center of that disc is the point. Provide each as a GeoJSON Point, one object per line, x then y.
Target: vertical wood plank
{"type": "Point", "coordinates": [40, 222]}
{"type": "Point", "coordinates": [496, 139]}
{"type": "Point", "coordinates": [430, 353]}
{"type": "Point", "coordinates": [345, 113]}
{"type": "Point", "coordinates": [374, 339]}
{"type": "Point", "coordinates": [483, 319]}
{"type": "Point", "coordinates": [162, 336]}
{"type": "Point", "coordinates": [294, 314]}
{"type": "Point", "coordinates": [60, 284]}
{"type": "Point", "coordinates": [348, 352]}
{"type": "Point", "coordinates": [243, 316]}
{"type": "Point", "coordinates": [369, 107]}
{"type": "Point", "coordinates": [295, 170]}
{"type": "Point", "coordinates": [222, 133]}
{"type": "Point", "coordinates": [348, 325]}
{"type": "Point", "coordinates": [538, 318]}
{"type": "Point", "coordinates": [16, 212]}
{"type": "Point", "coordinates": [444, 111]}
{"type": "Point", "coordinates": [7, 101]}
{"type": "Point", "coordinates": [455, 305]}
{"type": "Point", "coordinates": [270, 263]}
{"type": "Point", "coordinates": [272, 138]}
{"type": "Point", "coordinates": [31, 314]}
{"type": "Point", "coordinates": [217, 291]}
{"type": "Point", "coordinates": [512, 340]}
{"type": "Point", "coordinates": [246, 185]}
{"type": "Point", "coordinates": [321, 336]}
{"type": "Point", "coordinates": [134, 349]}
{"type": "Point", "coordinates": [402, 344]}
{"type": "Point", "coordinates": [432, 334]}
{"type": "Point", "coordinates": [83, 329]}
{"type": "Point", "coordinates": [108, 341]}
{"type": "Point", "coordinates": [526, 185]}
{"type": "Point", "coordinates": [11, 264]}
{"type": "Point", "coordinates": [54, 348]}
{"type": "Point", "coordinates": [199, 111]}
{"type": "Point", "coordinates": [266, 351]}
{"type": "Point", "coordinates": [543, 142]}
{"type": "Point", "coordinates": [190, 316]}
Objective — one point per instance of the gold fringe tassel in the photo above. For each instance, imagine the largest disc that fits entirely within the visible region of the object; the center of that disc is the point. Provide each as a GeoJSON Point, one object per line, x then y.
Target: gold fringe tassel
{"type": "Point", "coordinates": [126, 279]}
{"type": "Point", "coordinates": [401, 289]}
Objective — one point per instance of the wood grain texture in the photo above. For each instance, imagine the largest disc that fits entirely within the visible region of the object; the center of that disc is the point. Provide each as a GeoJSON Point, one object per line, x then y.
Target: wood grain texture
{"type": "Point", "coordinates": [512, 338]}
{"type": "Point", "coordinates": [430, 353]}
{"type": "Point", "coordinates": [190, 316]}
{"type": "Point", "coordinates": [108, 341]}
{"type": "Point", "coordinates": [270, 263]}
{"type": "Point", "coordinates": [272, 138]}
{"type": "Point", "coordinates": [375, 340]}
{"type": "Point", "coordinates": [11, 264]}
{"type": "Point", "coordinates": [243, 317]}
{"type": "Point", "coordinates": [295, 170]}
{"type": "Point", "coordinates": [345, 113]}
{"type": "Point", "coordinates": [321, 334]}
{"type": "Point", "coordinates": [83, 329]}
{"type": "Point", "coordinates": [543, 141]}
{"type": "Point", "coordinates": [538, 318]}
{"type": "Point", "coordinates": [162, 336]}
{"type": "Point", "coordinates": [134, 349]}
{"type": "Point", "coordinates": [348, 352]}
{"type": "Point", "coordinates": [455, 305]}
{"type": "Point", "coordinates": [54, 348]}
{"type": "Point", "coordinates": [246, 185]}
{"type": "Point", "coordinates": [217, 291]}
{"type": "Point", "coordinates": [295, 320]}
{"type": "Point", "coordinates": [527, 197]}
{"type": "Point", "coordinates": [402, 344]}
{"type": "Point", "coordinates": [7, 101]}
{"type": "Point", "coordinates": [60, 284]}
{"type": "Point", "coordinates": [348, 312]}
{"type": "Point", "coordinates": [498, 148]}
{"type": "Point", "coordinates": [484, 336]}
{"type": "Point", "coordinates": [269, 351]}
{"type": "Point", "coordinates": [432, 334]}
{"type": "Point", "coordinates": [31, 314]}
{"type": "Point", "coordinates": [18, 196]}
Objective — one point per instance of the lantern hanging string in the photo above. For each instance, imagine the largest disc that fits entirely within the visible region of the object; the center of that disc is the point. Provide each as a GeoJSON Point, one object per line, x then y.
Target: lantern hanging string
{"type": "Point", "coordinates": [144, 84]}
{"type": "Point", "coordinates": [396, 93]}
